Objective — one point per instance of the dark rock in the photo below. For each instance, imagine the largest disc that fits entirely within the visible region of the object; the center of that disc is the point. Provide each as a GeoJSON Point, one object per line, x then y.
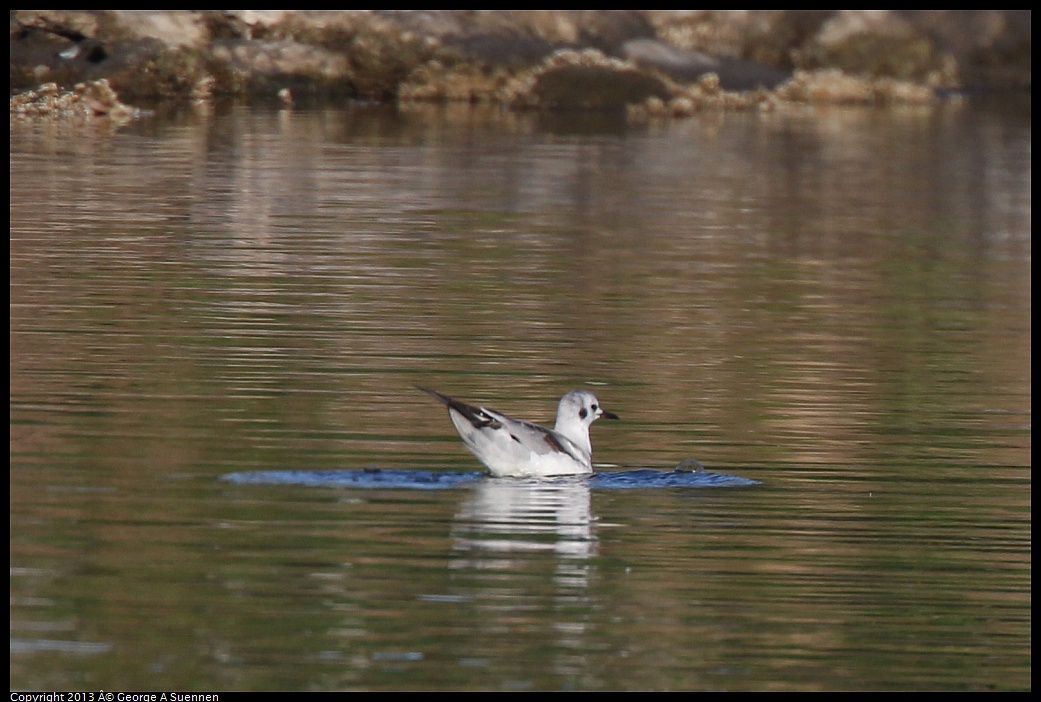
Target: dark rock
{"type": "Point", "coordinates": [595, 88]}
{"type": "Point", "coordinates": [689, 66]}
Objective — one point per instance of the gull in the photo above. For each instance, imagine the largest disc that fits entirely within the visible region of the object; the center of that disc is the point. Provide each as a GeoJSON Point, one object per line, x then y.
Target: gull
{"type": "Point", "coordinates": [513, 448]}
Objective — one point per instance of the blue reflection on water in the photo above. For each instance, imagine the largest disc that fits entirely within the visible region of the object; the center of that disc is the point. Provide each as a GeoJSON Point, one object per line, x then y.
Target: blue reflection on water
{"type": "Point", "coordinates": [439, 480]}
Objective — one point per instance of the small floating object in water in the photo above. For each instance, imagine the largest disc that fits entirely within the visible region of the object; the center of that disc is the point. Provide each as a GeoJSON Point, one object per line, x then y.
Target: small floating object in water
{"type": "Point", "coordinates": [690, 465]}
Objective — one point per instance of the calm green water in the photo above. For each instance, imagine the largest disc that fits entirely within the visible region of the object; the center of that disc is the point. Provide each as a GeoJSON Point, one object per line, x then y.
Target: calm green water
{"type": "Point", "coordinates": [834, 303]}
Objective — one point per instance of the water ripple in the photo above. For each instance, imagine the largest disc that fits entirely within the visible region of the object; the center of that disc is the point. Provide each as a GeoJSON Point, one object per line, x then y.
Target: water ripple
{"type": "Point", "coordinates": [436, 480]}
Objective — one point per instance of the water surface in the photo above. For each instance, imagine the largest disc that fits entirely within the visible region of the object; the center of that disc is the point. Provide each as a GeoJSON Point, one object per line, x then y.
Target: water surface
{"type": "Point", "coordinates": [833, 303]}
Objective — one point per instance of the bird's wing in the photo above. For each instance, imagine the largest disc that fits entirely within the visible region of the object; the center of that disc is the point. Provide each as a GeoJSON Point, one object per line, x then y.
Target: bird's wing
{"type": "Point", "coordinates": [477, 416]}
{"type": "Point", "coordinates": [537, 439]}
{"type": "Point", "coordinates": [531, 437]}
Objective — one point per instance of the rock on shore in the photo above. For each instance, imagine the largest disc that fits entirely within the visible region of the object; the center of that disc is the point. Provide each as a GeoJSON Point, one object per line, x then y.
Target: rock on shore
{"type": "Point", "coordinates": [590, 59]}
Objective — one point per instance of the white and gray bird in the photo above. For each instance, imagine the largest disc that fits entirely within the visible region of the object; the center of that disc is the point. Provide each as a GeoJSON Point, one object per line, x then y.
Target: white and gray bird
{"type": "Point", "coordinates": [513, 448]}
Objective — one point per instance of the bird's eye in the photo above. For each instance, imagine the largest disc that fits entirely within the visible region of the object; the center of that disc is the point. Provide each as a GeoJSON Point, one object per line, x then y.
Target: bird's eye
{"type": "Point", "coordinates": [594, 407]}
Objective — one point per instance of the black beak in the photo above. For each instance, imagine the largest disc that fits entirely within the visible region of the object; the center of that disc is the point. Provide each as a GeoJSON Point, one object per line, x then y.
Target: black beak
{"type": "Point", "coordinates": [608, 415]}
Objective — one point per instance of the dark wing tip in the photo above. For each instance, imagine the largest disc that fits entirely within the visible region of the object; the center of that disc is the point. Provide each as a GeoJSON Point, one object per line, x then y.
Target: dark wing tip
{"type": "Point", "coordinates": [435, 394]}
{"type": "Point", "coordinates": [474, 415]}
